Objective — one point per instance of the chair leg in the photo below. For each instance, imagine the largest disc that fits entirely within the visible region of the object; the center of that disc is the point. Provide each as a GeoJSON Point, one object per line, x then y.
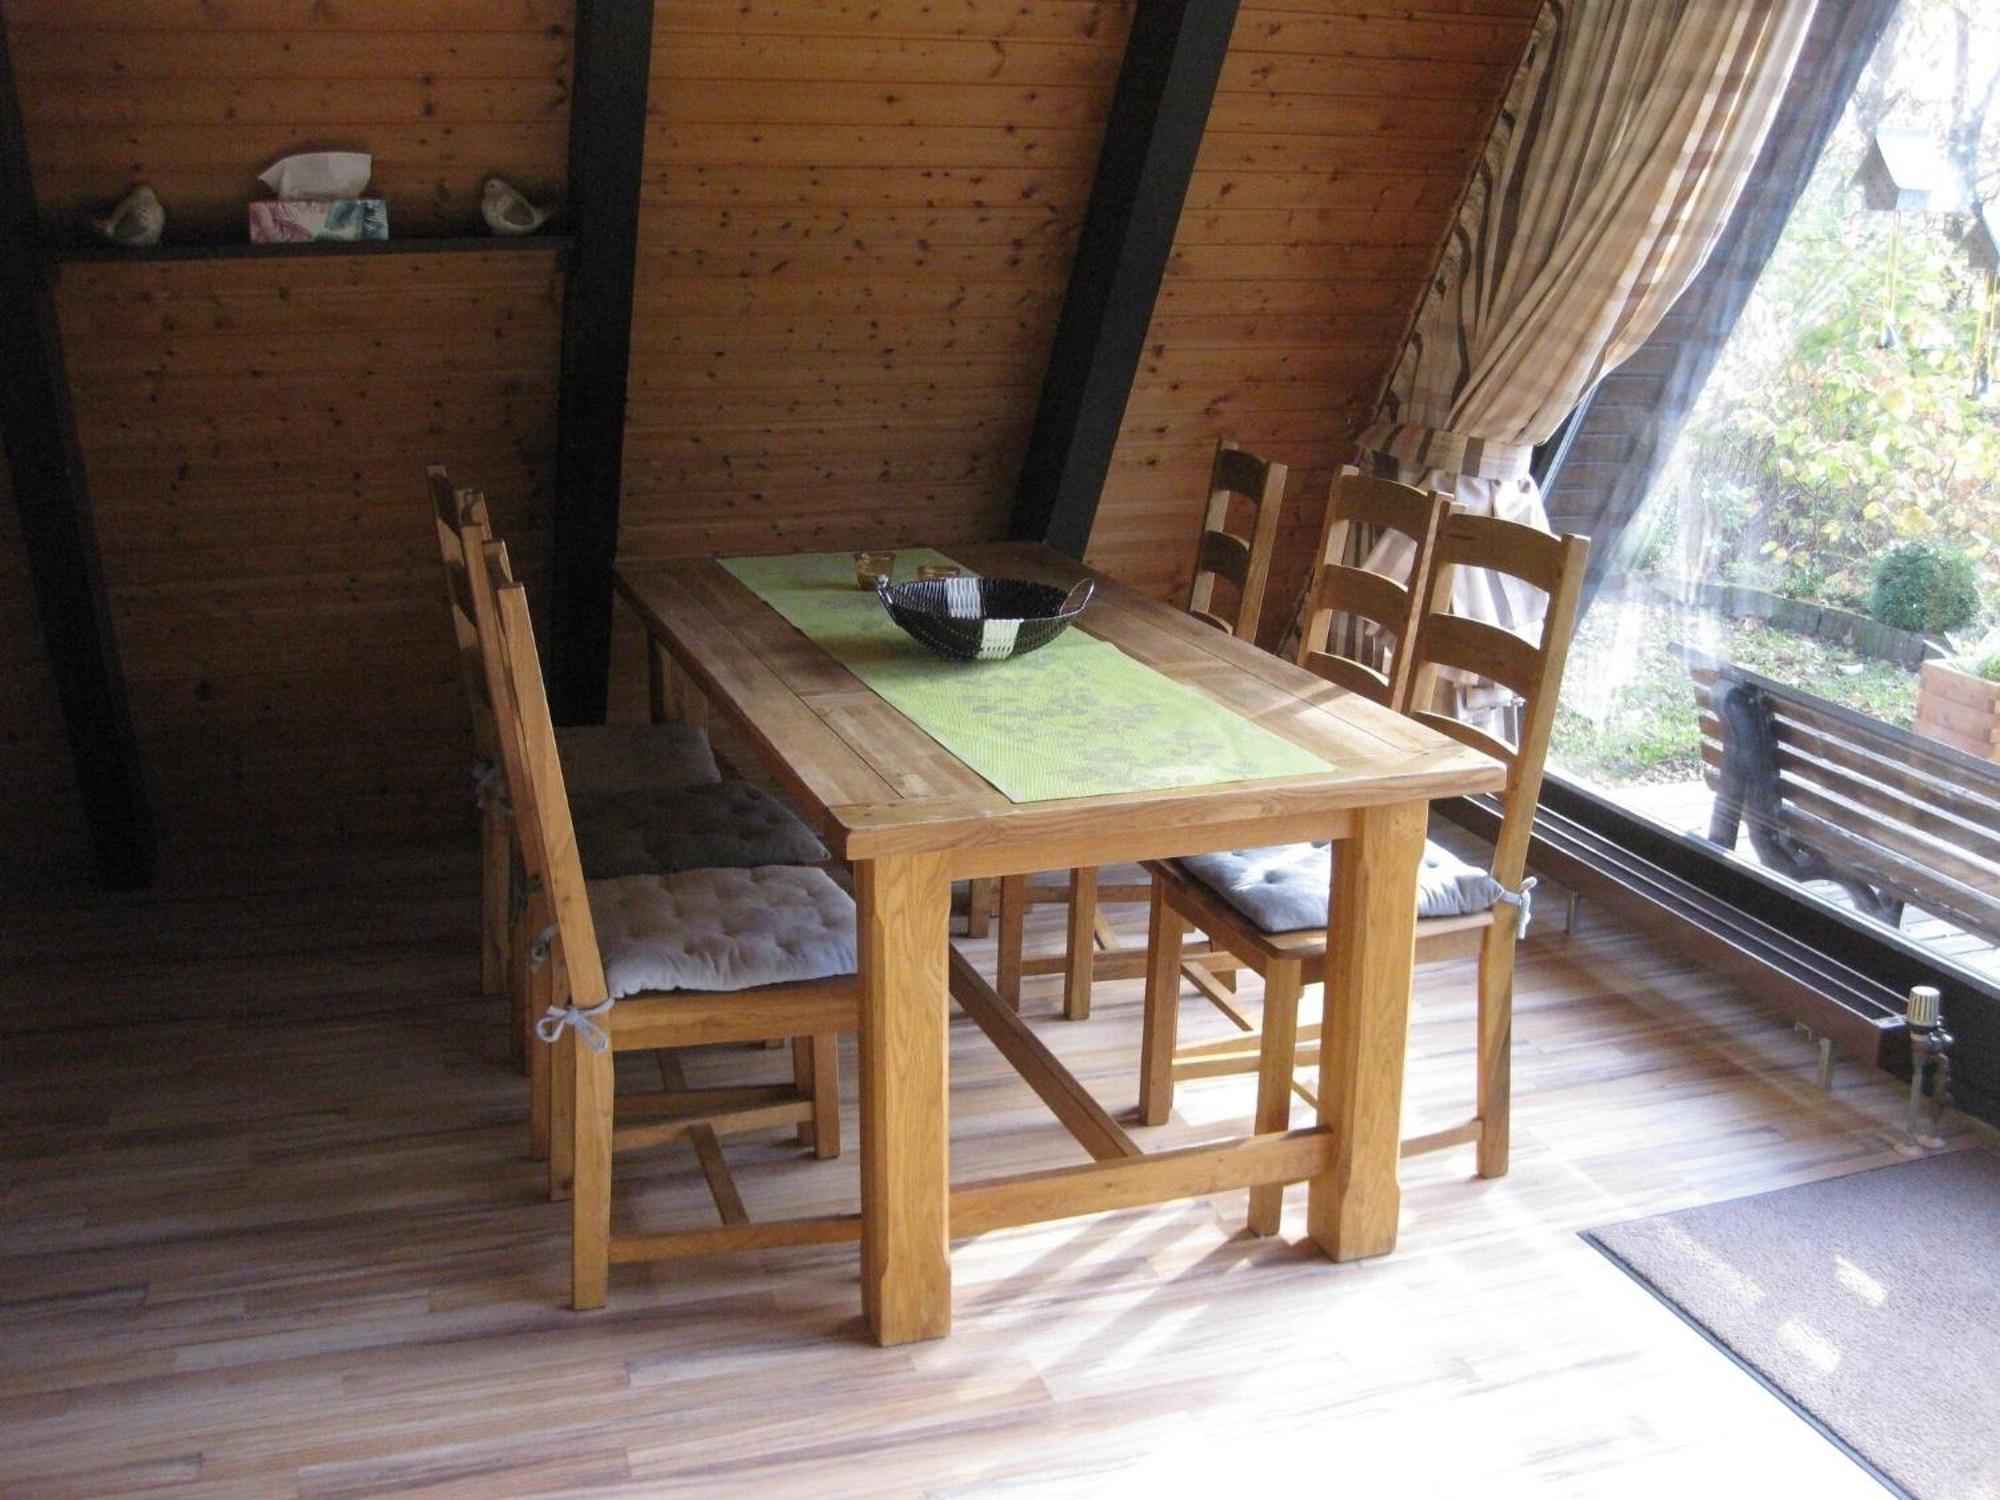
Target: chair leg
{"type": "Point", "coordinates": [1165, 928]}
{"type": "Point", "coordinates": [1276, 1059]}
{"type": "Point", "coordinates": [538, 983]}
{"type": "Point", "coordinates": [1081, 956]}
{"type": "Point", "coordinates": [1496, 1046]}
{"type": "Point", "coordinates": [1013, 914]}
{"type": "Point", "coordinates": [562, 1106]}
{"type": "Point", "coordinates": [802, 1080]}
{"type": "Point", "coordinates": [520, 990]}
{"type": "Point", "coordinates": [824, 1068]}
{"type": "Point", "coordinates": [590, 1097]}
{"type": "Point", "coordinates": [496, 896]}
{"type": "Point", "coordinates": [979, 898]}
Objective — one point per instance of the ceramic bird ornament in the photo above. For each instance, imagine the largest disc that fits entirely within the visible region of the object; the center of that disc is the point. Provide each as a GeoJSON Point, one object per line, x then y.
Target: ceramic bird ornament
{"type": "Point", "coordinates": [507, 210]}
{"type": "Point", "coordinates": [138, 220]}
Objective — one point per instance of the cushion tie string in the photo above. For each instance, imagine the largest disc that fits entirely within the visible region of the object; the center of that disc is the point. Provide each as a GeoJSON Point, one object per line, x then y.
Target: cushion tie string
{"type": "Point", "coordinates": [580, 1019]}
{"type": "Point", "coordinates": [1524, 898]}
{"type": "Point", "coordinates": [538, 951]}
{"type": "Point", "coordinates": [489, 786]}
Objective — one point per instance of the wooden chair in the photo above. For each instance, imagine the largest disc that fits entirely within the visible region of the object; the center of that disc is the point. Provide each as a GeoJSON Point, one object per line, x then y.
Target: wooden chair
{"type": "Point", "coordinates": [1290, 960]}
{"type": "Point", "coordinates": [586, 1025]}
{"type": "Point", "coordinates": [453, 509]}
{"type": "Point", "coordinates": [1241, 564]}
{"type": "Point", "coordinates": [618, 759]}
{"type": "Point", "coordinates": [1356, 621]}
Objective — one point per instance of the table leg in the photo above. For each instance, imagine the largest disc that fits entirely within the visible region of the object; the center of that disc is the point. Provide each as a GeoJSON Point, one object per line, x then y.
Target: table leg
{"type": "Point", "coordinates": [1352, 1207]}
{"type": "Point", "coordinates": [904, 911]}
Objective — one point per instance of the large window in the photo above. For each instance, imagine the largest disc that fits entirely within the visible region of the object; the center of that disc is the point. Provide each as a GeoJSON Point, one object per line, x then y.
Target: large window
{"type": "Point", "coordinates": [1750, 668]}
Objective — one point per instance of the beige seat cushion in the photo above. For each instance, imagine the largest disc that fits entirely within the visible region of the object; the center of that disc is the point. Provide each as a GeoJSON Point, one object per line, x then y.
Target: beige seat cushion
{"type": "Point", "coordinates": [600, 759]}
{"type": "Point", "coordinates": [721, 929]}
{"type": "Point", "coordinates": [724, 824]}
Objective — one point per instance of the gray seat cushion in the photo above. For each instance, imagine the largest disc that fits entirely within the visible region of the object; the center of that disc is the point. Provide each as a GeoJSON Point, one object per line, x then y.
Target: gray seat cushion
{"type": "Point", "coordinates": [601, 759]}
{"type": "Point", "coordinates": [721, 929]}
{"type": "Point", "coordinates": [722, 824]}
{"type": "Point", "coordinates": [1283, 888]}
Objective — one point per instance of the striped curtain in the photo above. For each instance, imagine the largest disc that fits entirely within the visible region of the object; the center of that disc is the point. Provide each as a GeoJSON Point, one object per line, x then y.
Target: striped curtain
{"type": "Point", "coordinates": [1621, 149]}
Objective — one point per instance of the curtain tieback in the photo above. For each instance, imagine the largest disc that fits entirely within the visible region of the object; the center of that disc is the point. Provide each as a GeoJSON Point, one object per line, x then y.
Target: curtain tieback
{"type": "Point", "coordinates": [1414, 448]}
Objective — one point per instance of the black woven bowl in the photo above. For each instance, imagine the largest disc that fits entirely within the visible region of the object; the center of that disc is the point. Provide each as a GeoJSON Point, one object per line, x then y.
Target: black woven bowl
{"type": "Point", "coordinates": [982, 619]}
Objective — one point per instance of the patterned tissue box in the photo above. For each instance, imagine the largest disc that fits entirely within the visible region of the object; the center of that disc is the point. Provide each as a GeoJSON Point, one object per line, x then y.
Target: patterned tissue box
{"type": "Point", "coordinates": [282, 221]}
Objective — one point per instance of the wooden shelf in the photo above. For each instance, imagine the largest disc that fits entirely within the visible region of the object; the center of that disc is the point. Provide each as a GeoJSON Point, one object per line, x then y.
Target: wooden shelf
{"type": "Point", "coordinates": [438, 245]}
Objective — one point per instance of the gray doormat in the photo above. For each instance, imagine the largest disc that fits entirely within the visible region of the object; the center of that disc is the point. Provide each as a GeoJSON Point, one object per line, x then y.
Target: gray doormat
{"type": "Point", "coordinates": [1870, 1303]}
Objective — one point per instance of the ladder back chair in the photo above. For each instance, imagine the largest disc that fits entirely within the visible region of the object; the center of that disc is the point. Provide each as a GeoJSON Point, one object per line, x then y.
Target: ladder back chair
{"type": "Point", "coordinates": [617, 833]}
{"type": "Point", "coordinates": [1349, 606]}
{"type": "Point", "coordinates": [1257, 904]}
{"type": "Point", "coordinates": [454, 509]}
{"type": "Point", "coordinates": [612, 759]}
{"type": "Point", "coordinates": [1242, 564]}
{"type": "Point", "coordinates": [610, 948]}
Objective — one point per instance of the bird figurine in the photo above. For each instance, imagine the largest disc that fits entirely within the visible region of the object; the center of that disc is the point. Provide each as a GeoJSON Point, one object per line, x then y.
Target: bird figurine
{"type": "Point", "coordinates": [138, 220]}
{"type": "Point", "coordinates": [507, 209]}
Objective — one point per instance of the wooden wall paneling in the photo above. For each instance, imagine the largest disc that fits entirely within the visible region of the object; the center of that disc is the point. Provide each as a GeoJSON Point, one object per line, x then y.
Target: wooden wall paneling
{"type": "Point", "coordinates": [1173, 57]}
{"type": "Point", "coordinates": [857, 230]}
{"type": "Point", "coordinates": [1340, 141]}
{"type": "Point", "coordinates": [58, 534]}
{"type": "Point", "coordinates": [257, 431]}
{"type": "Point", "coordinates": [198, 97]}
{"type": "Point", "coordinates": [607, 153]}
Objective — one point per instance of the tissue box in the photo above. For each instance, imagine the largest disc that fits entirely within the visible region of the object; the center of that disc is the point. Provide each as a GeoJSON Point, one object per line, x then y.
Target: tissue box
{"type": "Point", "coordinates": [280, 221]}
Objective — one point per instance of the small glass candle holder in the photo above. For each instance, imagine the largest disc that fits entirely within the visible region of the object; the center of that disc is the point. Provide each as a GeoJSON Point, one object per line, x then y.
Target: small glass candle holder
{"type": "Point", "coordinates": [869, 566]}
{"type": "Point", "coordinates": [940, 570]}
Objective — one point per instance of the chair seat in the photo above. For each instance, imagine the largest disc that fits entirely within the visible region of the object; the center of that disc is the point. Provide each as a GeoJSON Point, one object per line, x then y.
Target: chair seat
{"type": "Point", "coordinates": [604, 759]}
{"type": "Point", "coordinates": [724, 824]}
{"type": "Point", "coordinates": [722, 929]}
{"type": "Point", "coordinates": [1283, 887]}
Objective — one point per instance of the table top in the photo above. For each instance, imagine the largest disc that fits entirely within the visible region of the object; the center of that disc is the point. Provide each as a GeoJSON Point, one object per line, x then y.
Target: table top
{"type": "Point", "coordinates": [880, 786]}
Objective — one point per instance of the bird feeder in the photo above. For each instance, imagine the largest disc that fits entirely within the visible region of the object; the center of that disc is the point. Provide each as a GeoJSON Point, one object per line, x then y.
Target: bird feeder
{"type": "Point", "coordinates": [1901, 174]}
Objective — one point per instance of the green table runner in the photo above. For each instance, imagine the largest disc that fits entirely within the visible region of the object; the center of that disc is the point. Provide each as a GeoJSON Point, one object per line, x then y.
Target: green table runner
{"type": "Point", "coordinates": [1078, 718]}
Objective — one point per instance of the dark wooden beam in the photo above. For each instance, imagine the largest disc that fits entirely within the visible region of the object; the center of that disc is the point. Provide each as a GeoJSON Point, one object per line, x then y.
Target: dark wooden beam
{"type": "Point", "coordinates": [612, 67]}
{"type": "Point", "coordinates": [1173, 58]}
{"type": "Point", "coordinates": [46, 468]}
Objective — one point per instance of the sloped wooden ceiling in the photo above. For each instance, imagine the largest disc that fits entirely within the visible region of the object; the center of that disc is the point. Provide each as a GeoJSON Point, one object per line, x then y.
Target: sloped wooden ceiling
{"type": "Point", "coordinates": [857, 230]}
{"type": "Point", "coordinates": [1341, 139]}
{"type": "Point", "coordinates": [858, 224]}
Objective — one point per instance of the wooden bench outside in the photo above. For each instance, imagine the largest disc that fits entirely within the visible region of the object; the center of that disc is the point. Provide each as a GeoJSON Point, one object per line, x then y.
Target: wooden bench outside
{"type": "Point", "coordinates": [1830, 794]}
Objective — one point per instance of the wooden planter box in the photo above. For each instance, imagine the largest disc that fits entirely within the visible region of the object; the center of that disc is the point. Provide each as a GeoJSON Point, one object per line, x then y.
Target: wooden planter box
{"type": "Point", "coordinates": [1958, 709]}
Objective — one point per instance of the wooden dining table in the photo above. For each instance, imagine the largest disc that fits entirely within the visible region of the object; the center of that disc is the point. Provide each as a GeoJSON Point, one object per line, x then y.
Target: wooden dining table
{"type": "Point", "coordinates": [911, 818]}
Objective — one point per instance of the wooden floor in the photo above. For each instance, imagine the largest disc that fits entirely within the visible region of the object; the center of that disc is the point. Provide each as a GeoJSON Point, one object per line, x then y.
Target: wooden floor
{"type": "Point", "coordinates": [268, 1231]}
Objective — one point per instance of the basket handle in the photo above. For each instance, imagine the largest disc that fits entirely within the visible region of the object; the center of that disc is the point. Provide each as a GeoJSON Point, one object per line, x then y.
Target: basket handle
{"type": "Point", "coordinates": [1071, 604]}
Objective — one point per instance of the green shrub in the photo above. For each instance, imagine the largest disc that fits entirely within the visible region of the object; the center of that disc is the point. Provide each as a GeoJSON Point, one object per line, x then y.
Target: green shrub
{"type": "Point", "coordinates": [1987, 667]}
{"type": "Point", "coordinates": [1925, 586]}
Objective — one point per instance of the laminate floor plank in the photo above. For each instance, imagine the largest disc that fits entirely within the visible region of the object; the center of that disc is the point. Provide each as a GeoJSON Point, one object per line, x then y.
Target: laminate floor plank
{"type": "Point", "coordinates": [265, 1230]}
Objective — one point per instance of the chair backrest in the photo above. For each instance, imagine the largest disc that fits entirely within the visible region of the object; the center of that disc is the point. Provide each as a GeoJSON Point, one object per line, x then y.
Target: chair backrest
{"type": "Point", "coordinates": [453, 510]}
{"type": "Point", "coordinates": [527, 742]}
{"type": "Point", "coordinates": [1532, 670]}
{"type": "Point", "coordinates": [1243, 561]}
{"type": "Point", "coordinates": [1342, 590]}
